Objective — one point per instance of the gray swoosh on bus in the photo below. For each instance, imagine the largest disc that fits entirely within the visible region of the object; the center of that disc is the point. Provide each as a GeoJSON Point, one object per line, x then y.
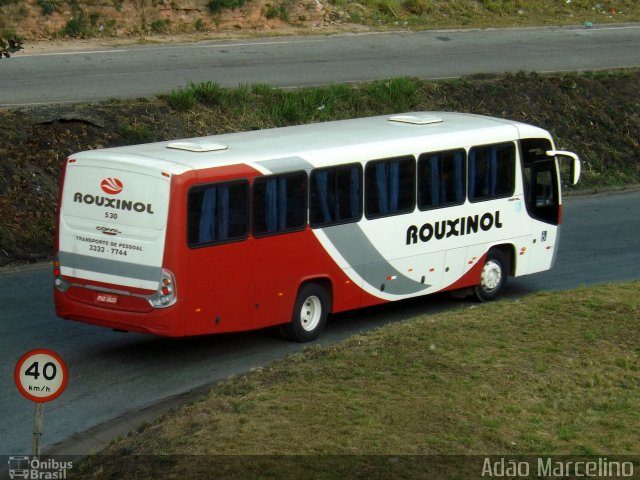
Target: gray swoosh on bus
{"type": "Point", "coordinates": [368, 262]}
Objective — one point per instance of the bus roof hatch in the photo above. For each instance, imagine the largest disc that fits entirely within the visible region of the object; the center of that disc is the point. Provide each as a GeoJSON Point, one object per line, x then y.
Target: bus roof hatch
{"type": "Point", "coordinates": [416, 119]}
{"type": "Point", "coordinates": [202, 146]}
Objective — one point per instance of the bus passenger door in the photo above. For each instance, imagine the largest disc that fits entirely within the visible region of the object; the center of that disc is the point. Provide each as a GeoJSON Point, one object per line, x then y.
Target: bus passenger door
{"type": "Point", "coordinates": [542, 199]}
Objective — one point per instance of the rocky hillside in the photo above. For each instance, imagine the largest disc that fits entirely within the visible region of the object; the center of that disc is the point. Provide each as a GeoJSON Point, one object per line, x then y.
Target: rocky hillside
{"type": "Point", "coordinates": [46, 19]}
{"type": "Point", "coordinates": [40, 19]}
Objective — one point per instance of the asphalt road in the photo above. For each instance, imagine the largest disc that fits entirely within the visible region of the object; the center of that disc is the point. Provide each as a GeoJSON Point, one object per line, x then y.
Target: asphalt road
{"type": "Point", "coordinates": [143, 71]}
{"type": "Point", "coordinates": [112, 374]}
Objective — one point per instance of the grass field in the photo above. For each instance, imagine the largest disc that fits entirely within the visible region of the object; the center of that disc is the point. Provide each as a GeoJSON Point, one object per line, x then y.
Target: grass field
{"type": "Point", "coordinates": [554, 374]}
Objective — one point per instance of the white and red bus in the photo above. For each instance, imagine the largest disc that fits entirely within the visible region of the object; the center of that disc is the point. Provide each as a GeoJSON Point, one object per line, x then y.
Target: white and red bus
{"type": "Point", "coordinates": [283, 226]}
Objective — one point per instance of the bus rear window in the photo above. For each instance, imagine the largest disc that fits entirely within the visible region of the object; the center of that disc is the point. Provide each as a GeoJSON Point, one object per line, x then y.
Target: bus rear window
{"type": "Point", "coordinates": [218, 213]}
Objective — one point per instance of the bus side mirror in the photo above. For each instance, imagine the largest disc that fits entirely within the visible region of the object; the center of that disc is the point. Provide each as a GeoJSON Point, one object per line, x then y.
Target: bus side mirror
{"type": "Point", "coordinates": [575, 163]}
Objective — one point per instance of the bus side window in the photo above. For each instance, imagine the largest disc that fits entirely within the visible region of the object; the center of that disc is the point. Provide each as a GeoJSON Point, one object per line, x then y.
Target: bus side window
{"type": "Point", "coordinates": [541, 191]}
{"type": "Point", "coordinates": [441, 179]}
{"type": "Point", "coordinates": [217, 213]}
{"type": "Point", "coordinates": [492, 172]}
{"type": "Point", "coordinates": [279, 203]}
{"type": "Point", "coordinates": [544, 188]}
{"type": "Point", "coordinates": [335, 195]}
{"type": "Point", "coordinates": [389, 187]}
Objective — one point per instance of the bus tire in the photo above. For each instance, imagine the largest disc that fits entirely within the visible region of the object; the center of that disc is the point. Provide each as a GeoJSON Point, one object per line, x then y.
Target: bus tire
{"type": "Point", "coordinates": [309, 314]}
{"type": "Point", "coordinates": [493, 277]}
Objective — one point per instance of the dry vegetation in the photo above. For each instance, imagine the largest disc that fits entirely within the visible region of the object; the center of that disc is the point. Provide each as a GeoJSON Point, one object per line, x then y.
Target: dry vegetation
{"type": "Point", "coordinates": [42, 19]}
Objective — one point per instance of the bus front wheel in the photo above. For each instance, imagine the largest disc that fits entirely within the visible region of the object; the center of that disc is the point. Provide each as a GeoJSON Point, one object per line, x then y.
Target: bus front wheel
{"type": "Point", "coordinates": [309, 314]}
{"type": "Point", "coordinates": [493, 276]}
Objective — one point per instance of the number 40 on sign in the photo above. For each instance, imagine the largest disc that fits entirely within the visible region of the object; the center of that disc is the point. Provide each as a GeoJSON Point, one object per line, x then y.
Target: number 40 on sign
{"type": "Point", "coordinates": [41, 375]}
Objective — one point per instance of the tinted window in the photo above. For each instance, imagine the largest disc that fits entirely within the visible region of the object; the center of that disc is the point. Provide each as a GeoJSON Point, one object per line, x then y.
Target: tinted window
{"type": "Point", "coordinates": [217, 213]}
{"type": "Point", "coordinates": [540, 176]}
{"type": "Point", "coordinates": [389, 187]}
{"type": "Point", "coordinates": [491, 171]}
{"type": "Point", "coordinates": [335, 195]}
{"type": "Point", "coordinates": [441, 179]}
{"type": "Point", "coordinates": [279, 203]}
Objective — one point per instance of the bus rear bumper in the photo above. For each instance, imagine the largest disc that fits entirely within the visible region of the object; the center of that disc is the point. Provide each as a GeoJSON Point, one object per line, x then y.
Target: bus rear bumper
{"type": "Point", "coordinates": [148, 320]}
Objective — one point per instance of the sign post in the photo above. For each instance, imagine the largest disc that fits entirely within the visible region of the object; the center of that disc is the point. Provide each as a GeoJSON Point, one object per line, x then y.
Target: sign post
{"type": "Point", "coordinates": [37, 428]}
{"type": "Point", "coordinates": [41, 376]}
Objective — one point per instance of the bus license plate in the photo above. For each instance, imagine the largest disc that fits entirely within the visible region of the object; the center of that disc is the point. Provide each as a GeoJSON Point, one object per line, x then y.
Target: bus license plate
{"type": "Point", "coordinates": [106, 298]}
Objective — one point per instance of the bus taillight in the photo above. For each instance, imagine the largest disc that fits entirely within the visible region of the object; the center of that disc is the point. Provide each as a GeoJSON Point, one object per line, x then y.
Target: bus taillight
{"type": "Point", "coordinates": [166, 294]}
{"type": "Point", "coordinates": [59, 282]}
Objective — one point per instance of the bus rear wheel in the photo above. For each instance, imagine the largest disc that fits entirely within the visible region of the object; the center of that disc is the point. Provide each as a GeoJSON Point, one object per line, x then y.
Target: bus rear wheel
{"type": "Point", "coordinates": [493, 277]}
{"type": "Point", "coordinates": [309, 314]}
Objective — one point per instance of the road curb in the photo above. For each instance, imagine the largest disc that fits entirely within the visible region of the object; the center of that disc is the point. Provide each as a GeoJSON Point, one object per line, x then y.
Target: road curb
{"type": "Point", "coordinates": [98, 437]}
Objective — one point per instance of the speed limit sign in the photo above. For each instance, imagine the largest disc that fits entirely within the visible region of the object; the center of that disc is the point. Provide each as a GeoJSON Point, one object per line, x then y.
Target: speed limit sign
{"type": "Point", "coordinates": [41, 375]}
